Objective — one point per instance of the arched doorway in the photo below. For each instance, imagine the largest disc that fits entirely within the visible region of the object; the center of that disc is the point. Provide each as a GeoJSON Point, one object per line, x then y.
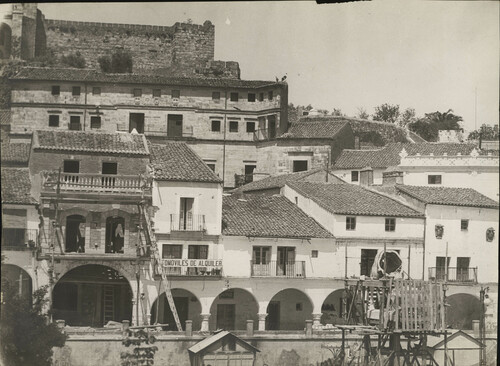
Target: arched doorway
{"type": "Point", "coordinates": [288, 310]}
{"type": "Point", "coordinates": [232, 308]}
{"type": "Point", "coordinates": [18, 279]}
{"type": "Point", "coordinates": [92, 295]}
{"type": "Point", "coordinates": [187, 305]}
{"type": "Point", "coordinates": [463, 309]}
{"type": "Point", "coordinates": [115, 234]}
{"type": "Point", "coordinates": [332, 310]}
{"type": "Point", "coordinates": [75, 234]}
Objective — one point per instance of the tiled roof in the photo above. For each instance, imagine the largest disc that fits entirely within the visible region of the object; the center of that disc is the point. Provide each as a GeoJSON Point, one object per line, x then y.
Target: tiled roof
{"type": "Point", "coordinates": [314, 130]}
{"type": "Point", "coordinates": [448, 196]}
{"type": "Point", "coordinates": [349, 199]}
{"type": "Point", "coordinates": [268, 216]}
{"type": "Point", "coordinates": [176, 161]}
{"type": "Point", "coordinates": [278, 181]}
{"type": "Point", "coordinates": [87, 75]}
{"type": "Point", "coordinates": [15, 153]}
{"type": "Point", "coordinates": [389, 155]}
{"type": "Point", "coordinates": [16, 186]}
{"type": "Point", "coordinates": [110, 143]}
{"type": "Point", "coordinates": [4, 117]}
{"type": "Point", "coordinates": [416, 138]}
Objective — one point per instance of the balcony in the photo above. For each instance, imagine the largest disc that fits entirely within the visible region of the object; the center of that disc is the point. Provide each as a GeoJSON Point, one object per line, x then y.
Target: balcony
{"type": "Point", "coordinates": [187, 222]}
{"type": "Point", "coordinates": [19, 239]}
{"type": "Point", "coordinates": [293, 269]}
{"type": "Point", "coordinates": [94, 183]}
{"type": "Point", "coordinates": [242, 179]}
{"type": "Point", "coordinates": [193, 267]}
{"type": "Point", "coordinates": [264, 134]}
{"type": "Point", "coordinates": [455, 274]}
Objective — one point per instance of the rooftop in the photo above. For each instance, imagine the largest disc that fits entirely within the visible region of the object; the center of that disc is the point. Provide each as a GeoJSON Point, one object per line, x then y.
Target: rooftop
{"type": "Point", "coordinates": [16, 186]}
{"type": "Point", "coordinates": [268, 216]}
{"type": "Point", "coordinates": [15, 153]}
{"type": "Point", "coordinates": [448, 196]}
{"type": "Point", "coordinates": [95, 76]}
{"type": "Point", "coordinates": [175, 161]}
{"type": "Point", "coordinates": [349, 199]}
{"type": "Point", "coordinates": [315, 130]}
{"type": "Point", "coordinates": [82, 141]}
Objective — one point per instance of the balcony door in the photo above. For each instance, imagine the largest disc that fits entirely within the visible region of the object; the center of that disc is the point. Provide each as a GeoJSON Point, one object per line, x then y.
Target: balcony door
{"type": "Point", "coordinates": [441, 268]}
{"type": "Point", "coordinates": [109, 169]}
{"type": "Point", "coordinates": [14, 223]}
{"type": "Point", "coordinates": [75, 234]}
{"type": "Point", "coordinates": [136, 120]}
{"type": "Point", "coordinates": [186, 213]}
{"type": "Point", "coordinates": [286, 261]}
{"type": "Point", "coordinates": [463, 269]}
{"type": "Point", "coordinates": [174, 125]}
{"type": "Point", "coordinates": [261, 261]}
{"type": "Point", "coordinates": [271, 120]}
{"type": "Point", "coordinates": [115, 234]}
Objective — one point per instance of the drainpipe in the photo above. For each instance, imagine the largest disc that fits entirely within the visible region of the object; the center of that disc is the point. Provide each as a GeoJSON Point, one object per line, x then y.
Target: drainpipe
{"type": "Point", "coordinates": [423, 256]}
{"type": "Point", "coordinates": [85, 108]}
{"type": "Point", "coordinates": [224, 143]}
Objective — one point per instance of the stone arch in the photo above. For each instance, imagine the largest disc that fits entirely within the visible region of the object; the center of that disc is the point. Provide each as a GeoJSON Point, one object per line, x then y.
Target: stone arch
{"type": "Point", "coordinates": [92, 295]}
{"type": "Point", "coordinates": [463, 309]}
{"type": "Point", "coordinates": [18, 279]}
{"type": "Point", "coordinates": [188, 308]}
{"type": "Point", "coordinates": [75, 211]}
{"type": "Point", "coordinates": [332, 309]}
{"type": "Point", "coordinates": [231, 309]}
{"type": "Point", "coordinates": [288, 310]}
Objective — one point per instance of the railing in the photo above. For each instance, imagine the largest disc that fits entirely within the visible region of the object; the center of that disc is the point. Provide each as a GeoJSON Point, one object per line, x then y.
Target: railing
{"type": "Point", "coordinates": [293, 269]}
{"type": "Point", "coordinates": [95, 182]}
{"type": "Point", "coordinates": [455, 274]}
{"type": "Point", "coordinates": [187, 222]}
{"type": "Point", "coordinates": [241, 179]}
{"type": "Point", "coordinates": [19, 239]}
{"type": "Point", "coordinates": [192, 267]}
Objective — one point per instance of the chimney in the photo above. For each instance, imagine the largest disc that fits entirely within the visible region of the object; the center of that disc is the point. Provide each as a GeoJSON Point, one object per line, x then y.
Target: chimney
{"type": "Point", "coordinates": [366, 177]}
{"type": "Point", "coordinates": [356, 143]}
{"type": "Point", "coordinates": [392, 176]}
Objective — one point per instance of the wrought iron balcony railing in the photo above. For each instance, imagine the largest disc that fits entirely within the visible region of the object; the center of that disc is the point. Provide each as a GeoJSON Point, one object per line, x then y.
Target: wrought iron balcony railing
{"type": "Point", "coordinates": [187, 222]}
{"type": "Point", "coordinates": [19, 239]}
{"type": "Point", "coordinates": [455, 274]}
{"type": "Point", "coordinates": [292, 269]}
{"type": "Point", "coordinates": [193, 267]}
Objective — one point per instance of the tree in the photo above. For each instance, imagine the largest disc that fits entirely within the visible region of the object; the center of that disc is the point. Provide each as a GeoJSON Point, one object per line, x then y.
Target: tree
{"type": "Point", "coordinates": [119, 62]}
{"type": "Point", "coordinates": [444, 121]}
{"type": "Point", "coordinates": [425, 129]}
{"type": "Point", "coordinates": [407, 117]}
{"type": "Point", "coordinates": [337, 112]}
{"type": "Point", "coordinates": [387, 113]}
{"type": "Point", "coordinates": [362, 114]}
{"type": "Point", "coordinates": [74, 60]}
{"type": "Point", "coordinates": [485, 132]}
{"type": "Point", "coordinates": [26, 335]}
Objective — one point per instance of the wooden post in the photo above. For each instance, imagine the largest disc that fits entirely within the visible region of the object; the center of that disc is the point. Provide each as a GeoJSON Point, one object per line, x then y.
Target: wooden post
{"type": "Point", "coordinates": [345, 250]}
{"type": "Point", "coordinates": [445, 348]}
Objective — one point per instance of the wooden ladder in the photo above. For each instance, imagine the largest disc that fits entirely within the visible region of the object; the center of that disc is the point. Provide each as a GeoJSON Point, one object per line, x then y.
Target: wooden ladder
{"type": "Point", "coordinates": [109, 304]}
{"type": "Point", "coordinates": [156, 263]}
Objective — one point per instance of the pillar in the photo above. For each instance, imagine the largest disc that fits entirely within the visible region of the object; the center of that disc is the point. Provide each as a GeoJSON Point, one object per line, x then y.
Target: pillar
{"type": "Point", "coordinates": [249, 328]}
{"type": "Point", "coordinates": [309, 328]}
{"type": "Point", "coordinates": [204, 322]}
{"type": "Point", "coordinates": [317, 319]}
{"type": "Point", "coordinates": [189, 328]}
{"type": "Point", "coordinates": [262, 321]}
{"type": "Point", "coordinates": [125, 326]}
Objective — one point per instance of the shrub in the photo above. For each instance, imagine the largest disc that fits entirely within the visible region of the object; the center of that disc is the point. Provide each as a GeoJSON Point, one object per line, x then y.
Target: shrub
{"type": "Point", "coordinates": [74, 60]}
{"type": "Point", "coordinates": [119, 62]}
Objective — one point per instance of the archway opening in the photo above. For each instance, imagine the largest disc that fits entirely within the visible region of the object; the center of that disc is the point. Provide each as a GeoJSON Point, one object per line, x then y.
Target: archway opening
{"type": "Point", "coordinates": [115, 234]}
{"type": "Point", "coordinates": [187, 305]}
{"type": "Point", "coordinates": [92, 295]}
{"type": "Point", "coordinates": [75, 234]}
{"type": "Point", "coordinates": [19, 280]}
{"type": "Point", "coordinates": [232, 308]}
{"type": "Point", "coordinates": [332, 309]}
{"type": "Point", "coordinates": [463, 309]}
{"type": "Point", "coordinates": [288, 310]}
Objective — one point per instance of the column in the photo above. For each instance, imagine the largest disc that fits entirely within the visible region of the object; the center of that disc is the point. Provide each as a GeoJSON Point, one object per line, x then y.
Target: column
{"type": "Point", "coordinates": [316, 319]}
{"type": "Point", "coordinates": [204, 322]}
{"type": "Point", "coordinates": [262, 321]}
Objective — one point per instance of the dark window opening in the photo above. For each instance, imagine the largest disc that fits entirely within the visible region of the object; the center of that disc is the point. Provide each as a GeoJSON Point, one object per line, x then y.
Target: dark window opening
{"type": "Point", "coordinates": [197, 252]}
{"type": "Point", "coordinates": [233, 126]}
{"type": "Point", "coordinates": [234, 97]}
{"type": "Point", "coordinates": [367, 259]}
{"type": "Point", "coordinates": [156, 93]}
{"type": "Point", "coordinates": [174, 125]}
{"type": "Point", "coordinates": [54, 120]}
{"type": "Point", "coordinates": [172, 251]}
{"type": "Point", "coordinates": [110, 168]}
{"type": "Point", "coordinates": [350, 223]}
{"type": "Point", "coordinates": [441, 267]}
{"type": "Point", "coordinates": [71, 166]}
{"type": "Point", "coordinates": [95, 122]}
{"type": "Point", "coordinates": [250, 126]}
{"type": "Point", "coordinates": [251, 97]}
{"type": "Point", "coordinates": [299, 165]}
{"type": "Point", "coordinates": [66, 296]}
{"type": "Point", "coordinates": [354, 176]}
{"type": "Point", "coordinates": [390, 224]}
{"type": "Point", "coordinates": [271, 121]}
{"type": "Point", "coordinates": [464, 225]}
{"type": "Point", "coordinates": [314, 254]}
{"type": "Point", "coordinates": [136, 120]}
{"type": "Point", "coordinates": [434, 179]}
{"type": "Point", "coordinates": [261, 97]}
{"type": "Point", "coordinates": [137, 93]}
{"type": "Point", "coordinates": [270, 95]}
{"type": "Point", "coordinates": [216, 96]}
{"type": "Point", "coordinates": [74, 123]}
{"type": "Point", "coordinates": [76, 91]}
{"type": "Point", "coordinates": [56, 90]}
{"type": "Point", "coordinates": [96, 90]}
{"type": "Point", "coordinates": [115, 234]}
{"type": "Point", "coordinates": [176, 93]}
{"type": "Point", "coordinates": [75, 234]}
{"type": "Point", "coordinates": [215, 126]}
{"type": "Point", "coordinates": [211, 166]}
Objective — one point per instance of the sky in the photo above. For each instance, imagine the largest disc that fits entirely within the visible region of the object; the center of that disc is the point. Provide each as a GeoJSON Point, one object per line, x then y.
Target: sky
{"type": "Point", "coordinates": [428, 55]}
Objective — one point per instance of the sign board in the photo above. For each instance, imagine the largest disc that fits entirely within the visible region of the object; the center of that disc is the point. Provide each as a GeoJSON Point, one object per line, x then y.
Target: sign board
{"type": "Point", "coordinates": [192, 263]}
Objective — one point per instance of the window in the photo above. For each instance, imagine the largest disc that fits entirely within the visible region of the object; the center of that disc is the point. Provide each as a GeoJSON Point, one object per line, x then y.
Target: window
{"type": "Point", "coordinates": [215, 126]}
{"type": "Point", "coordinates": [53, 120]}
{"type": "Point", "coordinates": [390, 224]}
{"type": "Point", "coordinates": [96, 90]}
{"type": "Point", "coordinates": [74, 123]}
{"type": "Point", "coordinates": [354, 176]}
{"type": "Point", "coordinates": [197, 252]}
{"type": "Point", "coordinates": [76, 91]}
{"type": "Point", "coordinates": [350, 223]}
{"type": "Point", "coordinates": [299, 165]}
{"type": "Point", "coordinates": [109, 168]}
{"type": "Point", "coordinates": [250, 126]}
{"type": "Point", "coordinates": [464, 225]}
{"type": "Point", "coordinates": [137, 93]}
{"type": "Point", "coordinates": [261, 97]}
{"type": "Point", "coordinates": [211, 166]}
{"type": "Point", "coordinates": [156, 93]}
{"type": "Point", "coordinates": [296, 200]}
{"type": "Point", "coordinates": [216, 96]}
{"type": "Point", "coordinates": [171, 251]}
{"type": "Point", "coordinates": [434, 179]}
{"type": "Point", "coordinates": [176, 94]}
{"type": "Point", "coordinates": [261, 255]}
{"type": "Point", "coordinates": [298, 306]}
{"type": "Point", "coordinates": [233, 126]}
{"type": "Point", "coordinates": [95, 122]}
{"type": "Point", "coordinates": [367, 259]}
{"type": "Point", "coordinates": [71, 166]}
{"type": "Point", "coordinates": [234, 97]}
{"type": "Point", "coordinates": [251, 97]}
{"type": "Point", "coordinates": [314, 254]}
{"type": "Point", "coordinates": [270, 95]}
{"type": "Point", "coordinates": [56, 90]}
{"type": "Point", "coordinates": [463, 269]}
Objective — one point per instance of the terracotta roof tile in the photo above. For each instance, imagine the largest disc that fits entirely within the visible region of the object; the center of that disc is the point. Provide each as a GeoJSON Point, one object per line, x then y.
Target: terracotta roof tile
{"type": "Point", "coordinates": [349, 199]}
{"type": "Point", "coordinates": [314, 130]}
{"type": "Point", "coordinates": [16, 186]}
{"type": "Point", "coordinates": [176, 161]}
{"type": "Point", "coordinates": [111, 143]}
{"type": "Point", "coordinates": [448, 196]}
{"type": "Point", "coordinates": [88, 75]}
{"type": "Point", "coordinates": [15, 153]}
{"type": "Point", "coordinates": [268, 216]}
